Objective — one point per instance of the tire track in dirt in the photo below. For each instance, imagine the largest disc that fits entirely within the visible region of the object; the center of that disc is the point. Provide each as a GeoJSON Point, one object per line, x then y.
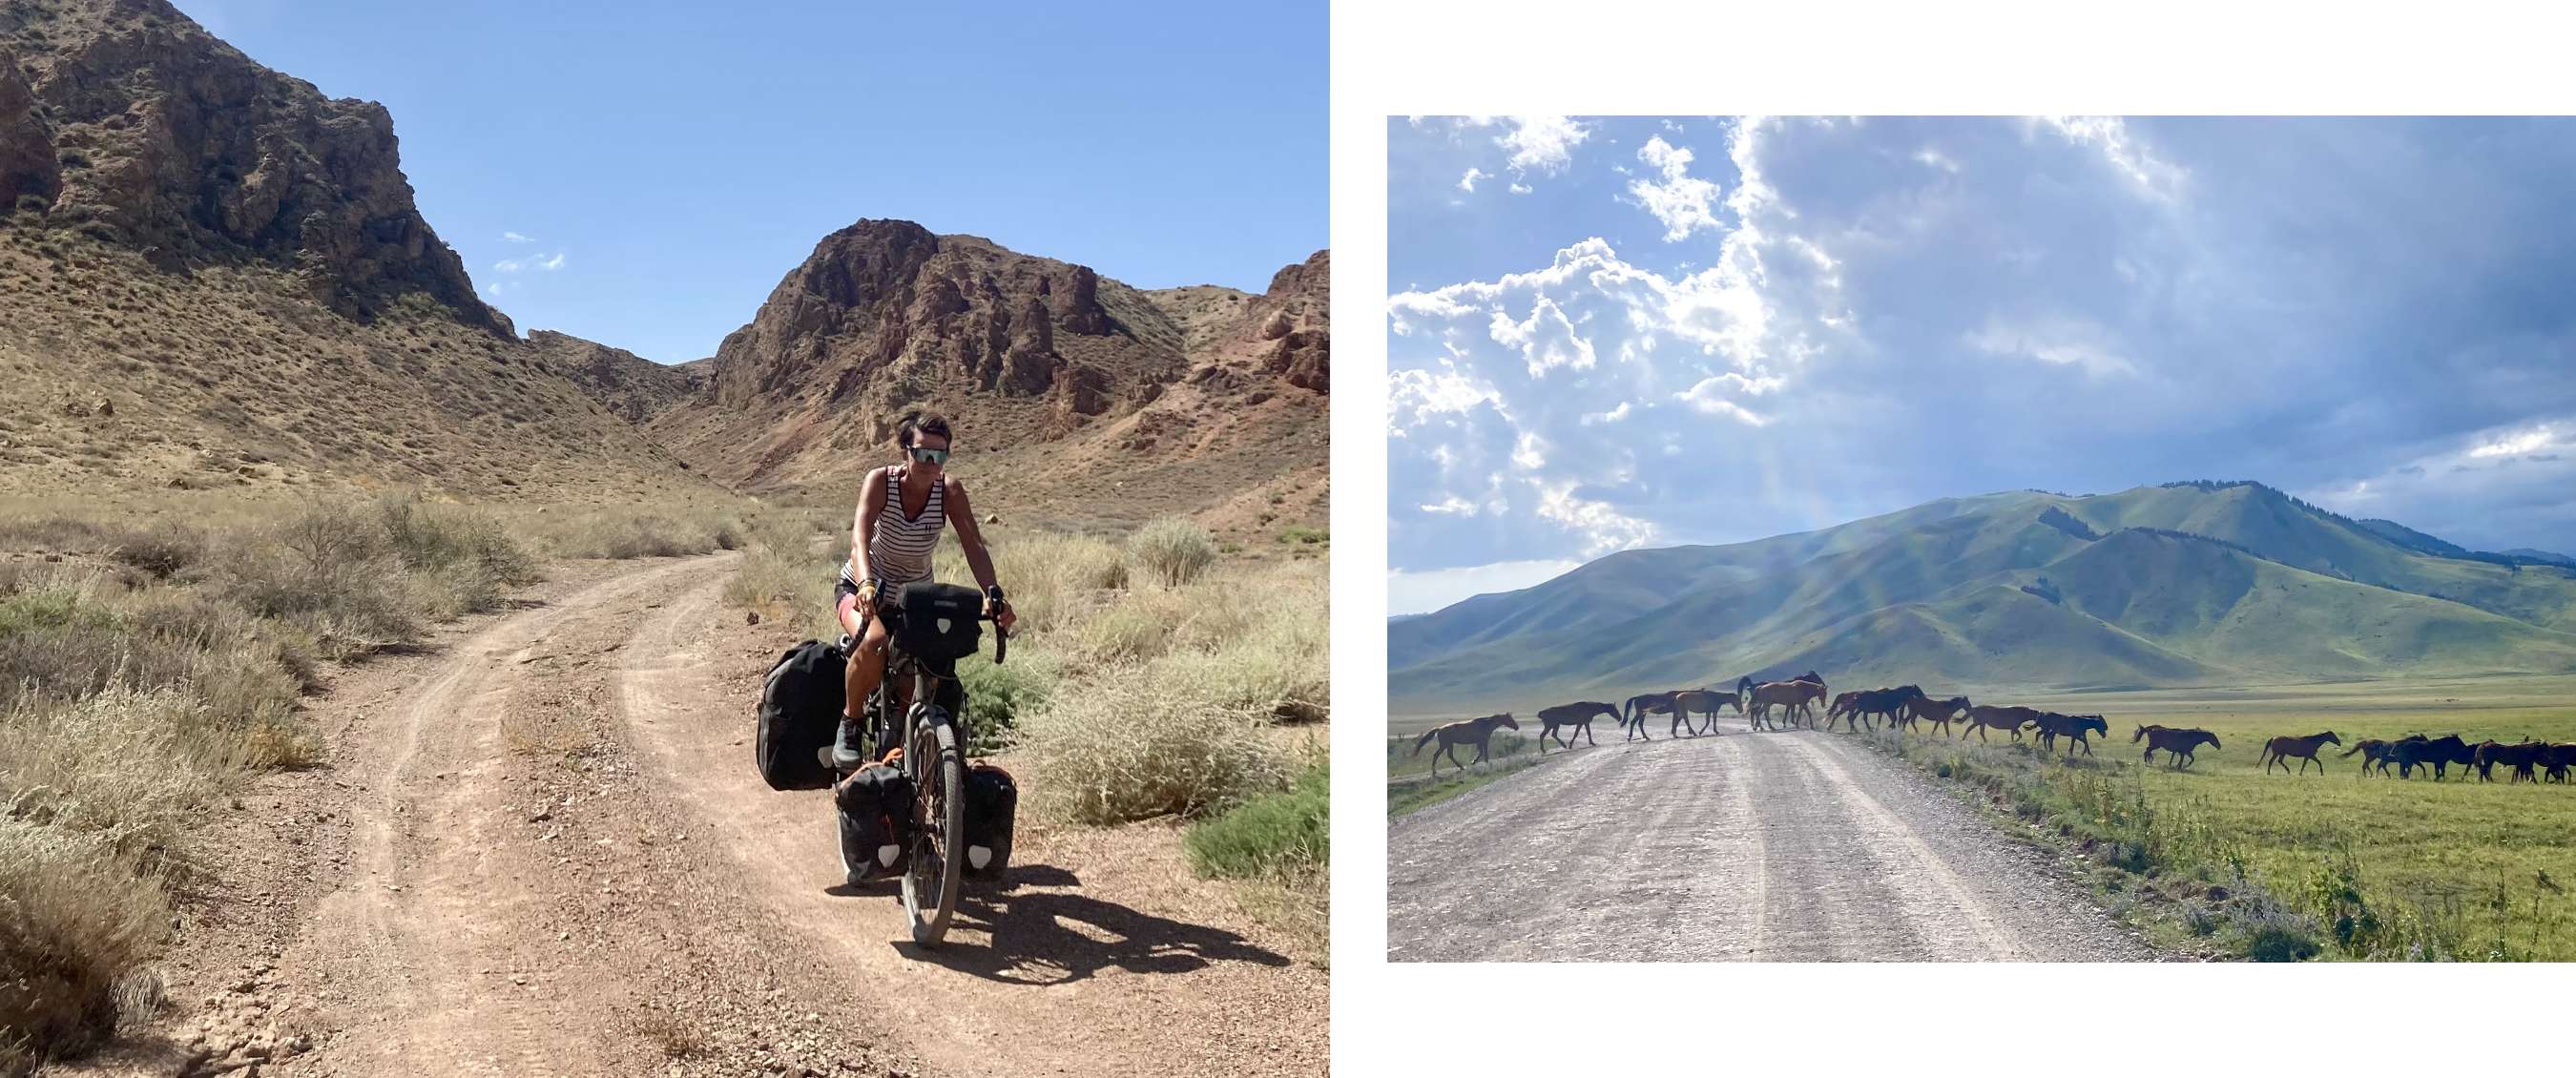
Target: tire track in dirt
{"type": "Point", "coordinates": [1795, 846]}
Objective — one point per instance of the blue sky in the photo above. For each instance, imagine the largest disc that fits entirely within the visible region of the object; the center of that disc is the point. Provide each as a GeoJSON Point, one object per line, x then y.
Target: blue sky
{"type": "Point", "coordinates": [668, 163]}
{"type": "Point", "coordinates": [1612, 333]}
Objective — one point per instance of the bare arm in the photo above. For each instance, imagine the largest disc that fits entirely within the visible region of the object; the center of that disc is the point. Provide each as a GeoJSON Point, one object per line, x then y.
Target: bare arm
{"type": "Point", "coordinates": [871, 504]}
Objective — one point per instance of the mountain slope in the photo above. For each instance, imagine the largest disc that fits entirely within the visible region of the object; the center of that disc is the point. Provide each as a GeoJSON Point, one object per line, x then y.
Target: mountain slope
{"type": "Point", "coordinates": [1074, 396]}
{"type": "Point", "coordinates": [2171, 585]}
{"type": "Point", "coordinates": [221, 281]}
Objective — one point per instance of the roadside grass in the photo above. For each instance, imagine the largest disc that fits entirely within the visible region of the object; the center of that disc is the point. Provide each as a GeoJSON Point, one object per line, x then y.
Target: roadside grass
{"type": "Point", "coordinates": [2338, 865]}
{"type": "Point", "coordinates": [153, 663]}
{"type": "Point", "coordinates": [1147, 678]}
{"type": "Point", "coordinates": [1410, 784]}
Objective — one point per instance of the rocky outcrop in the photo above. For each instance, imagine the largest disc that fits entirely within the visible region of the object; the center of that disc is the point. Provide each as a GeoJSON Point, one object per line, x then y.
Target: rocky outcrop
{"type": "Point", "coordinates": [886, 309]}
{"type": "Point", "coordinates": [177, 144]}
{"type": "Point", "coordinates": [1292, 324]}
{"type": "Point", "coordinates": [27, 166]}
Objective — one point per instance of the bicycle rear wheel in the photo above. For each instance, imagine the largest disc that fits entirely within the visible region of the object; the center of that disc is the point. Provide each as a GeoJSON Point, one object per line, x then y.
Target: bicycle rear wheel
{"type": "Point", "coordinates": [931, 882]}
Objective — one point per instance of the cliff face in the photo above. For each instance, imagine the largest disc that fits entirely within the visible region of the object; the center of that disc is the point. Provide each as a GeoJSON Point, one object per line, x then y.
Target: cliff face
{"type": "Point", "coordinates": [129, 119]}
{"type": "Point", "coordinates": [1289, 328]}
{"type": "Point", "coordinates": [886, 305]}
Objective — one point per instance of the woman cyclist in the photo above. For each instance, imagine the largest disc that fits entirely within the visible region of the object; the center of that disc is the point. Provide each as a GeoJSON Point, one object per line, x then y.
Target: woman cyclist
{"type": "Point", "coordinates": [902, 508]}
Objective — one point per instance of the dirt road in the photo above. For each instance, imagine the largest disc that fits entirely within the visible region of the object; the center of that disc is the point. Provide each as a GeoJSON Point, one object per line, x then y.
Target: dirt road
{"type": "Point", "coordinates": [1776, 846]}
{"type": "Point", "coordinates": [540, 848]}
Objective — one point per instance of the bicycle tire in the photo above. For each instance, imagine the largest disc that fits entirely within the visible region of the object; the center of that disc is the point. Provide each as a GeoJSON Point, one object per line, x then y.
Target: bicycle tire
{"type": "Point", "coordinates": [931, 903]}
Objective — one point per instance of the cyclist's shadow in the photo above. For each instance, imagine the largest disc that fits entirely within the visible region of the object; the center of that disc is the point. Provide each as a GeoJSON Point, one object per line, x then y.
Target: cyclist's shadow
{"type": "Point", "coordinates": [1058, 937]}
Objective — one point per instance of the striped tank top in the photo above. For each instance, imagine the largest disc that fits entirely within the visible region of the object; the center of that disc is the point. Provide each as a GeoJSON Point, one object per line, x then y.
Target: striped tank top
{"type": "Point", "coordinates": [900, 550]}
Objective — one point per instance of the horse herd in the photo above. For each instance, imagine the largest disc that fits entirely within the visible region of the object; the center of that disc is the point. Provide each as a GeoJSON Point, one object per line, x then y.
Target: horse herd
{"type": "Point", "coordinates": [1907, 706]}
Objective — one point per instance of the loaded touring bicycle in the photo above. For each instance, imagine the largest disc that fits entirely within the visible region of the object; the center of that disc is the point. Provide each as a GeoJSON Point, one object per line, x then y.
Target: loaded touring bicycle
{"type": "Point", "coordinates": [918, 811]}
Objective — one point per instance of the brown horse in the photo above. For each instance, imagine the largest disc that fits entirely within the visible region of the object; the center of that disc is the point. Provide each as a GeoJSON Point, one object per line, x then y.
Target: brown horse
{"type": "Point", "coordinates": [2008, 719]}
{"type": "Point", "coordinates": [1798, 694]}
{"type": "Point", "coordinates": [2519, 756]}
{"type": "Point", "coordinates": [2280, 749]}
{"type": "Point", "coordinates": [2372, 749]}
{"type": "Point", "coordinates": [1632, 717]}
{"type": "Point", "coordinates": [1576, 715]}
{"type": "Point", "coordinates": [1937, 712]}
{"type": "Point", "coordinates": [1705, 702]}
{"type": "Point", "coordinates": [1451, 735]}
{"type": "Point", "coordinates": [1842, 706]}
{"type": "Point", "coordinates": [2173, 740]}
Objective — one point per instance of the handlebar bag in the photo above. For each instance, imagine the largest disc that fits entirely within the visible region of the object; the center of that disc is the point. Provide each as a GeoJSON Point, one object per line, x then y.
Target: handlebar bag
{"type": "Point", "coordinates": [936, 621]}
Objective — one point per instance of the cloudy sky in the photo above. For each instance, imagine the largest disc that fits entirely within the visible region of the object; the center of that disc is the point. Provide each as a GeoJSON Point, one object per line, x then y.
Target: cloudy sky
{"type": "Point", "coordinates": [1611, 333]}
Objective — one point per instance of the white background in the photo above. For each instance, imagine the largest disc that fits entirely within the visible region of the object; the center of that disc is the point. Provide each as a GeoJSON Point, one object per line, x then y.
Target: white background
{"type": "Point", "coordinates": [1601, 57]}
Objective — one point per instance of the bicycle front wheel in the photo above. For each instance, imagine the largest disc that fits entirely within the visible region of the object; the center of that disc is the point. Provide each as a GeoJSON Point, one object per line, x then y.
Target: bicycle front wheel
{"type": "Point", "coordinates": [938, 867]}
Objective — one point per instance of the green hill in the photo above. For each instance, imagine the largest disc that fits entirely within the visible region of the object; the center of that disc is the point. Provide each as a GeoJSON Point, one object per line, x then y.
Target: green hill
{"type": "Point", "coordinates": [2180, 584]}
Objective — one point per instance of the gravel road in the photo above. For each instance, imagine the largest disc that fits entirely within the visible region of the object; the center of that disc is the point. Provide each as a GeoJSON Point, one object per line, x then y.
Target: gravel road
{"type": "Point", "coordinates": [1793, 846]}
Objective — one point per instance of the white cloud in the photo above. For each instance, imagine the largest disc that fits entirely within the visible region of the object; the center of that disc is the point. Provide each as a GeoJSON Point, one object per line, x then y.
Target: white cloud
{"type": "Point", "coordinates": [1541, 143]}
{"type": "Point", "coordinates": [1612, 416]}
{"type": "Point", "coordinates": [1707, 398]}
{"type": "Point", "coordinates": [1416, 396]}
{"type": "Point", "coordinates": [513, 237]}
{"type": "Point", "coordinates": [2065, 342]}
{"type": "Point", "coordinates": [544, 262]}
{"type": "Point", "coordinates": [2522, 443]}
{"type": "Point", "coordinates": [1547, 340]}
{"type": "Point", "coordinates": [1467, 182]}
{"type": "Point", "coordinates": [1424, 592]}
{"type": "Point", "coordinates": [1519, 188]}
{"type": "Point", "coordinates": [1452, 505]}
{"type": "Point", "coordinates": [1530, 451]}
{"type": "Point", "coordinates": [1603, 529]}
{"type": "Point", "coordinates": [2110, 134]}
{"type": "Point", "coordinates": [1681, 201]}
{"type": "Point", "coordinates": [1934, 158]}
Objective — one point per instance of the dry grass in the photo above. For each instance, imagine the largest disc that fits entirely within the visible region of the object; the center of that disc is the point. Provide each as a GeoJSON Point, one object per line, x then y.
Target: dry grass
{"type": "Point", "coordinates": [1172, 550]}
{"type": "Point", "coordinates": [148, 664]}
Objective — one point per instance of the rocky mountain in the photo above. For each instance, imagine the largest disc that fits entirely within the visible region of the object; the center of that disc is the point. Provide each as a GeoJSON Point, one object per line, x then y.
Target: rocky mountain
{"type": "Point", "coordinates": [213, 276]}
{"type": "Point", "coordinates": [216, 276]}
{"type": "Point", "coordinates": [2179, 584]}
{"type": "Point", "coordinates": [1084, 399]}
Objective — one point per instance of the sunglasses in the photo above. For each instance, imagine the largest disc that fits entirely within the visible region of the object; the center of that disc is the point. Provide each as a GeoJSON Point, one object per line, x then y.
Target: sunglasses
{"type": "Point", "coordinates": [929, 456]}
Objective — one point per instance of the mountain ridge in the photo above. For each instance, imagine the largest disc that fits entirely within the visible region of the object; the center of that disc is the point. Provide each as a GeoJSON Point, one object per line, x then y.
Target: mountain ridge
{"type": "Point", "coordinates": [2172, 584]}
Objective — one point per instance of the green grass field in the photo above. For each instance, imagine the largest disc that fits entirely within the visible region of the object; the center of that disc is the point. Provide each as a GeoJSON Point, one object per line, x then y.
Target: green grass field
{"type": "Point", "coordinates": [2380, 867]}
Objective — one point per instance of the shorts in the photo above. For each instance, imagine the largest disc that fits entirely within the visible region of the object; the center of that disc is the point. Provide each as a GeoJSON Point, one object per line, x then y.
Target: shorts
{"type": "Point", "coordinates": [845, 596]}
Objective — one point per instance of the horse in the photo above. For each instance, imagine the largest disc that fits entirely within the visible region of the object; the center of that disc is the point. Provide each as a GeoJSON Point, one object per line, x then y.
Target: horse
{"type": "Point", "coordinates": [1704, 701]}
{"type": "Point", "coordinates": [1796, 694]}
{"type": "Point", "coordinates": [1937, 712]}
{"type": "Point", "coordinates": [2008, 719]}
{"type": "Point", "coordinates": [2280, 749]}
{"type": "Point", "coordinates": [1577, 715]}
{"type": "Point", "coordinates": [2416, 750]}
{"type": "Point", "coordinates": [2373, 750]}
{"type": "Point", "coordinates": [1842, 706]}
{"type": "Point", "coordinates": [1454, 734]}
{"type": "Point", "coordinates": [1632, 718]}
{"type": "Point", "coordinates": [2557, 759]}
{"type": "Point", "coordinates": [2520, 755]}
{"type": "Point", "coordinates": [2178, 741]}
{"type": "Point", "coordinates": [2050, 724]}
{"type": "Point", "coordinates": [1884, 702]}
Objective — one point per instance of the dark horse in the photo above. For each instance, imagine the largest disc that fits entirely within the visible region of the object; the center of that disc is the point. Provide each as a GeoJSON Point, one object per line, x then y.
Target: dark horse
{"type": "Point", "coordinates": [1576, 715]}
{"type": "Point", "coordinates": [2519, 756]}
{"type": "Point", "coordinates": [1480, 732]}
{"type": "Point", "coordinates": [2416, 750]}
{"type": "Point", "coordinates": [1702, 701]}
{"type": "Point", "coordinates": [2050, 724]}
{"type": "Point", "coordinates": [2008, 719]}
{"type": "Point", "coordinates": [1798, 694]}
{"type": "Point", "coordinates": [2280, 749]}
{"type": "Point", "coordinates": [2179, 742]}
{"type": "Point", "coordinates": [1940, 713]}
{"type": "Point", "coordinates": [1872, 704]}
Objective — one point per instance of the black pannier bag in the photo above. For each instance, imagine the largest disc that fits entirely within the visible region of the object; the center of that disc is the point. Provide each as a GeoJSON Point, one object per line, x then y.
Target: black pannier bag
{"type": "Point", "coordinates": [936, 622]}
{"type": "Point", "coordinates": [875, 814]}
{"type": "Point", "coordinates": [800, 713]}
{"type": "Point", "coordinates": [992, 807]}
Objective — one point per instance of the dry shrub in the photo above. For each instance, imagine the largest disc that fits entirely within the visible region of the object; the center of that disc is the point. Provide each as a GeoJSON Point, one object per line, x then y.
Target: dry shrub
{"type": "Point", "coordinates": [1173, 550]}
{"type": "Point", "coordinates": [1052, 579]}
{"type": "Point", "coordinates": [1129, 748]}
{"type": "Point", "coordinates": [76, 921]}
